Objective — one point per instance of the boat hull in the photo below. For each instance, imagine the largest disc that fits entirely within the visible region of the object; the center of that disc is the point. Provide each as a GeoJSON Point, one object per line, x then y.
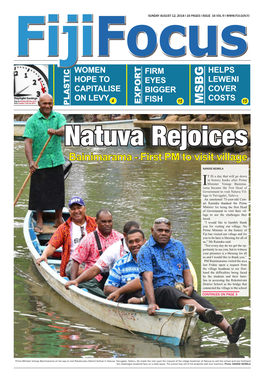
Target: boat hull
{"type": "Point", "coordinates": [170, 326]}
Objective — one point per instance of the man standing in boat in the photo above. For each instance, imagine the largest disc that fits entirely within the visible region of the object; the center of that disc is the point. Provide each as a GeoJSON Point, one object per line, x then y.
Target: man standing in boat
{"type": "Point", "coordinates": [69, 234]}
{"type": "Point", "coordinates": [107, 260]}
{"type": "Point", "coordinates": [90, 249]}
{"type": "Point", "coordinates": [162, 262]}
{"type": "Point", "coordinates": [47, 180]}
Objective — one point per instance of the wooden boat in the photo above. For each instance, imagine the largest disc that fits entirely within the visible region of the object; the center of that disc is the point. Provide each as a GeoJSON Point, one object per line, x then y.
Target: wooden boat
{"type": "Point", "coordinates": [170, 326]}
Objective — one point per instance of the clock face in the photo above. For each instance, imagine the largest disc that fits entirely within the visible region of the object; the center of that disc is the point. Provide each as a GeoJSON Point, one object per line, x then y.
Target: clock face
{"type": "Point", "coordinates": [29, 84]}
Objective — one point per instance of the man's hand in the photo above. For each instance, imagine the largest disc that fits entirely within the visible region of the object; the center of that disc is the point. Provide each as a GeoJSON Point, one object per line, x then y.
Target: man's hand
{"type": "Point", "coordinates": [188, 291]}
{"type": "Point", "coordinates": [59, 132]}
{"type": "Point", "coordinates": [114, 295]}
{"type": "Point", "coordinates": [32, 166]}
{"type": "Point", "coordinates": [151, 309]}
{"type": "Point", "coordinates": [42, 258]}
{"type": "Point", "coordinates": [69, 283]}
{"type": "Point", "coordinates": [52, 132]}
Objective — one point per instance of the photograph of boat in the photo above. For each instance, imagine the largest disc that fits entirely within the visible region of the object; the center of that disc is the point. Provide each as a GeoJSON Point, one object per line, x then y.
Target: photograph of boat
{"type": "Point", "coordinates": [170, 326]}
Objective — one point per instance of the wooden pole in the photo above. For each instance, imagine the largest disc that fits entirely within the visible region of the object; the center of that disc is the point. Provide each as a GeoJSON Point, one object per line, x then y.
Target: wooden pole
{"type": "Point", "coordinates": [29, 175]}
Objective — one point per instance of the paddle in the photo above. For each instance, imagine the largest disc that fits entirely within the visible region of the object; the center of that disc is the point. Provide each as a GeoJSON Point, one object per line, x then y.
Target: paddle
{"type": "Point", "coordinates": [29, 175]}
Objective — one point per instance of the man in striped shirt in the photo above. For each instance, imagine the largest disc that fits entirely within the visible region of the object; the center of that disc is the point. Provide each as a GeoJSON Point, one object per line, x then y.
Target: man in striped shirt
{"type": "Point", "coordinates": [126, 268]}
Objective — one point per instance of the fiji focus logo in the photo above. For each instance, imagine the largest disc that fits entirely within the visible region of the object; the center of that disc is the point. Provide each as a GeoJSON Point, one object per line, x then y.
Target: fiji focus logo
{"type": "Point", "coordinates": [233, 43]}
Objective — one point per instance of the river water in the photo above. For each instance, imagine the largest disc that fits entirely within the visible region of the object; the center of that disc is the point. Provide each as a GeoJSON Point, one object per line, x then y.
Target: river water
{"type": "Point", "coordinates": [45, 325]}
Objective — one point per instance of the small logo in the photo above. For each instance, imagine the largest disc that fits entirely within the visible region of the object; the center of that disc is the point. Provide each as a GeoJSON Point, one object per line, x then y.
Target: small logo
{"type": "Point", "coordinates": [113, 100]}
{"type": "Point", "coordinates": [180, 101]}
{"type": "Point", "coordinates": [244, 101]}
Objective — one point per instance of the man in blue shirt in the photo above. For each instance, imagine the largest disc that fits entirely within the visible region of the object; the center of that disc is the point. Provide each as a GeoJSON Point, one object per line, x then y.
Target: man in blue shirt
{"type": "Point", "coordinates": [126, 268]}
{"type": "Point", "coordinates": [162, 263]}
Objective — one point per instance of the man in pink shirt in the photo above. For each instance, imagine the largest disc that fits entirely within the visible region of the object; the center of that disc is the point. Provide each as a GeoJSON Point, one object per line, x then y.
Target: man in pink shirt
{"type": "Point", "coordinates": [89, 251]}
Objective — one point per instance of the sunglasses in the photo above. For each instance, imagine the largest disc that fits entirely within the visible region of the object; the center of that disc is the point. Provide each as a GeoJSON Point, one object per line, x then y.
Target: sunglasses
{"type": "Point", "coordinates": [162, 220]}
{"type": "Point", "coordinates": [82, 232]}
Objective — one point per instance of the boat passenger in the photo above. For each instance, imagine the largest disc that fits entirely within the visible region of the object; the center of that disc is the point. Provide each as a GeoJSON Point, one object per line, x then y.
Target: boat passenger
{"type": "Point", "coordinates": [69, 234]}
{"type": "Point", "coordinates": [107, 260]}
{"type": "Point", "coordinates": [126, 269]}
{"type": "Point", "coordinates": [90, 249]}
{"type": "Point", "coordinates": [162, 262]}
{"type": "Point", "coordinates": [47, 179]}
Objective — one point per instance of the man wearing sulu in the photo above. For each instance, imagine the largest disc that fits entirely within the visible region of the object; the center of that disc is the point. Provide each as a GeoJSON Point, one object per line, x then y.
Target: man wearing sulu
{"type": "Point", "coordinates": [47, 180]}
{"type": "Point", "coordinates": [162, 263]}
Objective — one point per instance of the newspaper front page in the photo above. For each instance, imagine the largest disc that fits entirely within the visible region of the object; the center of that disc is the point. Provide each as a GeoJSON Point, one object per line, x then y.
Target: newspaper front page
{"type": "Point", "coordinates": [162, 85]}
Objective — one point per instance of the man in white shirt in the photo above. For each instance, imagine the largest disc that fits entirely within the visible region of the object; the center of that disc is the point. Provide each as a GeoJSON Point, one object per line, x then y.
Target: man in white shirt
{"type": "Point", "coordinates": [107, 260]}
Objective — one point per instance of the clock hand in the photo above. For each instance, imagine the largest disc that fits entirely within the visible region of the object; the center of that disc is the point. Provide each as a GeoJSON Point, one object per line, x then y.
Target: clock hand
{"type": "Point", "coordinates": [21, 90]}
{"type": "Point", "coordinates": [42, 87]}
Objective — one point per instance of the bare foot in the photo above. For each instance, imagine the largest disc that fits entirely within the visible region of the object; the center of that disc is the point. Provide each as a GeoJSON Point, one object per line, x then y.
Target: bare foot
{"type": "Point", "coordinates": [57, 224]}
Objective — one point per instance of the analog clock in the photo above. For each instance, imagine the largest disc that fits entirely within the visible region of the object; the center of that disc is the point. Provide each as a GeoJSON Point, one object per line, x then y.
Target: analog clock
{"type": "Point", "coordinates": [30, 82]}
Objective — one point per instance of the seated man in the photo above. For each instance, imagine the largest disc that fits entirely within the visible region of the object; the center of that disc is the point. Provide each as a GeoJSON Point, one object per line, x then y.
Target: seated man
{"type": "Point", "coordinates": [126, 268]}
{"type": "Point", "coordinates": [162, 262]}
{"type": "Point", "coordinates": [69, 234]}
{"type": "Point", "coordinates": [90, 249]}
{"type": "Point", "coordinates": [107, 260]}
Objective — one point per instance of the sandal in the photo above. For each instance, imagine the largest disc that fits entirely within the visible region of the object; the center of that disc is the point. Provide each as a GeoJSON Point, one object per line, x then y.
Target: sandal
{"type": "Point", "coordinates": [238, 327]}
{"type": "Point", "coordinates": [212, 317]}
{"type": "Point", "coordinates": [39, 229]}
